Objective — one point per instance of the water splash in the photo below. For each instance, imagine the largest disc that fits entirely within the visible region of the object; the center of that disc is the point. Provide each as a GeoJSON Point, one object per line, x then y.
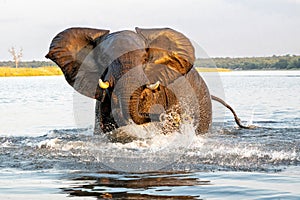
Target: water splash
{"type": "Point", "coordinates": [233, 149]}
{"type": "Point", "coordinates": [149, 153]}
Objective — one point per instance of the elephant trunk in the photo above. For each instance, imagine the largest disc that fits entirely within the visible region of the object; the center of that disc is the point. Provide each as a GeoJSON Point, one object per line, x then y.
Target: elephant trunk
{"type": "Point", "coordinates": [136, 115]}
{"type": "Point", "coordinates": [128, 90]}
{"type": "Point", "coordinates": [129, 103]}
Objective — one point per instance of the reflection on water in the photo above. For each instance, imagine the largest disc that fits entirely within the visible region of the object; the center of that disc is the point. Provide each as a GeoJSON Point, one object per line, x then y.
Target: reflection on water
{"type": "Point", "coordinates": [89, 184]}
{"type": "Point", "coordinates": [155, 185]}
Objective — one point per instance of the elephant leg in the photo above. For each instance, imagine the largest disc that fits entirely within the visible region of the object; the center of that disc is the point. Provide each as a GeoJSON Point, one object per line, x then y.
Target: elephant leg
{"type": "Point", "coordinates": [204, 101]}
{"type": "Point", "coordinates": [97, 126]}
{"type": "Point", "coordinates": [104, 121]}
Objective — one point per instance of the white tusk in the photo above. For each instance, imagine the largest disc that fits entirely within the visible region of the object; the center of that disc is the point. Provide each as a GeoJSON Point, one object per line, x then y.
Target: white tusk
{"type": "Point", "coordinates": [153, 86]}
{"type": "Point", "coordinates": [103, 85]}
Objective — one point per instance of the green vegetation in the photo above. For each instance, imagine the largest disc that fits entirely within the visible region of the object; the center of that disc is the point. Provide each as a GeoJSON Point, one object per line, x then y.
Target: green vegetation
{"type": "Point", "coordinates": [251, 63]}
{"type": "Point", "coordinates": [29, 68]}
{"type": "Point", "coordinates": [27, 64]}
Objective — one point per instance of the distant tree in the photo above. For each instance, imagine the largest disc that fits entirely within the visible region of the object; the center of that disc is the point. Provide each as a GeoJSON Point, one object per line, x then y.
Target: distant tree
{"type": "Point", "coordinates": [16, 55]}
{"type": "Point", "coordinates": [281, 64]}
{"type": "Point", "coordinates": [252, 63]}
{"type": "Point", "coordinates": [294, 64]}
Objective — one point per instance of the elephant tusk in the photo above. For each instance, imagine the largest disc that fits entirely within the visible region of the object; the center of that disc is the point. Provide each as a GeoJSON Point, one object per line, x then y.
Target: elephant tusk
{"type": "Point", "coordinates": [103, 85]}
{"type": "Point", "coordinates": [153, 86]}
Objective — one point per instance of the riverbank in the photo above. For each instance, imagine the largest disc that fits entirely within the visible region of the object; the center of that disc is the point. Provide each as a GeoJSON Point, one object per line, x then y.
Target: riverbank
{"type": "Point", "coordinates": [286, 62]}
{"type": "Point", "coordinates": [205, 69]}
{"type": "Point", "coordinates": [55, 71]}
{"type": "Point", "coordinates": [39, 71]}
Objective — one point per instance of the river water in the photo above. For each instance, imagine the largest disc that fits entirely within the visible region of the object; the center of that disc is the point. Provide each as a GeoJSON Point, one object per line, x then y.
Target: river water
{"type": "Point", "coordinates": [47, 147]}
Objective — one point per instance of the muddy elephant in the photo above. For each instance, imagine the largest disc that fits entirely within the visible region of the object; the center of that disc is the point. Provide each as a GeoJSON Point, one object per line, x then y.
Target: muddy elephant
{"type": "Point", "coordinates": [135, 77]}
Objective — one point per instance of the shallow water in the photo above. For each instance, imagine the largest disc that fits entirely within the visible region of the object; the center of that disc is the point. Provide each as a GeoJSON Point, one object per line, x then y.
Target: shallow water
{"type": "Point", "coordinates": [47, 149]}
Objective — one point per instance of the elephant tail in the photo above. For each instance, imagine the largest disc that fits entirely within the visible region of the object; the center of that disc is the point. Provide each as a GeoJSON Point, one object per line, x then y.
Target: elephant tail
{"type": "Point", "coordinates": [236, 118]}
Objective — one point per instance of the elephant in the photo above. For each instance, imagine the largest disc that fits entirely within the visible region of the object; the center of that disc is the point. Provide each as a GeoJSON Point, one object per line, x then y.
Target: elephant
{"type": "Point", "coordinates": [135, 76]}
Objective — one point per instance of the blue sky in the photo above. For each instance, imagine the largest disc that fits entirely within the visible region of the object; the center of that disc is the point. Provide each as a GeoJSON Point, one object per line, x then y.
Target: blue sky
{"type": "Point", "coordinates": [231, 28]}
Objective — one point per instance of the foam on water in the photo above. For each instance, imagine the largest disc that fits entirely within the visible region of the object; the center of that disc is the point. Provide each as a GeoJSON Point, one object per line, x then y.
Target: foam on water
{"type": "Point", "coordinates": [150, 137]}
{"type": "Point", "coordinates": [154, 151]}
{"type": "Point", "coordinates": [238, 154]}
{"type": "Point", "coordinates": [149, 151]}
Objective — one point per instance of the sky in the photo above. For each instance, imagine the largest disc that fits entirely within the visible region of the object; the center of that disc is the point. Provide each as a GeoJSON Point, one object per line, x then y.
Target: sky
{"type": "Point", "coordinates": [223, 28]}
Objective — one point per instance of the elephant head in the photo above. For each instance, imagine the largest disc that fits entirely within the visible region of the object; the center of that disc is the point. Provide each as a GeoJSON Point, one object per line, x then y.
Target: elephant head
{"type": "Point", "coordinates": [133, 75]}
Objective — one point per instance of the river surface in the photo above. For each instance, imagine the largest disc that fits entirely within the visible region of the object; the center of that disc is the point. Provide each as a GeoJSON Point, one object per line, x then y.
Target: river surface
{"type": "Point", "coordinates": [48, 150]}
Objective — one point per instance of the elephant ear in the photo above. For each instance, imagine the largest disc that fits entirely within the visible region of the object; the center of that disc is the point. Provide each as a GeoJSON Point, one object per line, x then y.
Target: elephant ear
{"type": "Point", "coordinates": [72, 51]}
{"type": "Point", "coordinates": [169, 47]}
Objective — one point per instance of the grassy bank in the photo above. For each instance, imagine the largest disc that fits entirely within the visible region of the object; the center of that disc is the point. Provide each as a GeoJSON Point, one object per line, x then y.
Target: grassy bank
{"type": "Point", "coordinates": [54, 71]}
{"type": "Point", "coordinates": [40, 71]}
{"type": "Point", "coordinates": [204, 69]}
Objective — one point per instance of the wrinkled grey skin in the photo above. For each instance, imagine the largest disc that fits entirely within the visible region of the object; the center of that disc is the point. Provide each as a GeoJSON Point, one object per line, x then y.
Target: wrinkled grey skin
{"type": "Point", "coordinates": [130, 62]}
